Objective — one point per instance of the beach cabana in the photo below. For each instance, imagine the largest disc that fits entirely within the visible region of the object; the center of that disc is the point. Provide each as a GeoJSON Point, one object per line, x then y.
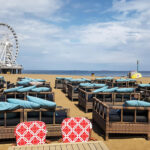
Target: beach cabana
{"type": "Point", "coordinates": [73, 87]}
{"type": "Point", "coordinates": [144, 89]}
{"type": "Point", "coordinates": [15, 111]}
{"type": "Point", "coordinates": [125, 82]}
{"type": "Point", "coordinates": [60, 81]}
{"type": "Point", "coordinates": [130, 118]}
{"type": "Point", "coordinates": [85, 99]}
{"type": "Point", "coordinates": [104, 80]}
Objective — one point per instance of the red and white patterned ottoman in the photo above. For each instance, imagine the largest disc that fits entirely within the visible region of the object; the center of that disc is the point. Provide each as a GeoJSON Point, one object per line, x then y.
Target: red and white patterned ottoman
{"type": "Point", "coordinates": [28, 133]}
{"type": "Point", "coordinates": [76, 129]}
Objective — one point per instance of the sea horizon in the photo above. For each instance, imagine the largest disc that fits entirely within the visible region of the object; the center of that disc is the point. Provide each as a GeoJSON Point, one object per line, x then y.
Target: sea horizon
{"type": "Point", "coordinates": [84, 72]}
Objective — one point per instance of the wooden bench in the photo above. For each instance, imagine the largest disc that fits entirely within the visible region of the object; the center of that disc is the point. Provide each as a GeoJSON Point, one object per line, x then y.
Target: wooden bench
{"type": "Point", "coordinates": [91, 145]}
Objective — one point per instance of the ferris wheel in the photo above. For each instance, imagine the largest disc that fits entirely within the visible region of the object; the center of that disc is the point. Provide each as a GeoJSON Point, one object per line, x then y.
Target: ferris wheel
{"type": "Point", "coordinates": [8, 45]}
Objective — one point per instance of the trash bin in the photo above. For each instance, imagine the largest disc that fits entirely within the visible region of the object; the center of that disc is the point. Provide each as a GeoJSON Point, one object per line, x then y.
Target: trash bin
{"type": "Point", "coordinates": [92, 74]}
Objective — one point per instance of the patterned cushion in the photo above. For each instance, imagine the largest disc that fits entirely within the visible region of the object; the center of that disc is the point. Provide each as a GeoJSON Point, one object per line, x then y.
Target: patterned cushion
{"type": "Point", "coordinates": [76, 129]}
{"type": "Point", "coordinates": [28, 133]}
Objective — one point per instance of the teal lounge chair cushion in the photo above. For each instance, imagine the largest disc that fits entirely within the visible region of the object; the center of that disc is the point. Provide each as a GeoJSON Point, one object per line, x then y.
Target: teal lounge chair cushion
{"type": "Point", "coordinates": [91, 85]}
{"type": "Point", "coordinates": [105, 78]}
{"type": "Point", "coordinates": [8, 106]}
{"type": "Point", "coordinates": [124, 80]}
{"type": "Point", "coordinates": [137, 103]}
{"type": "Point", "coordinates": [67, 78]}
{"type": "Point", "coordinates": [125, 90]}
{"type": "Point", "coordinates": [99, 85]}
{"type": "Point", "coordinates": [79, 80]}
{"type": "Point", "coordinates": [42, 102]}
{"type": "Point", "coordinates": [110, 90]}
{"type": "Point", "coordinates": [38, 80]}
{"type": "Point", "coordinates": [41, 89]}
{"type": "Point", "coordinates": [24, 82]}
{"type": "Point", "coordinates": [23, 103]}
{"type": "Point", "coordinates": [100, 89]}
{"type": "Point", "coordinates": [12, 89]}
{"type": "Point", "coordinates": [1, 78]}
{"type": "Point", "coordinates": [144, 85]}
{"type": "Point", "coordinates": [86, 85]}
{"type": "Point", "coordinates": [26, 89]}
{"type": "Point", "coordinates": [59, 78]}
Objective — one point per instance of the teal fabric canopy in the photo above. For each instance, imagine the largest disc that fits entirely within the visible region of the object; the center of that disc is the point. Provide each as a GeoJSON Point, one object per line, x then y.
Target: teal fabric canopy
{"type": "Point", "coordinates": [125, 90]}
{"type": "Point", "coordinates": [42, 102]}
{"type": "Point", "coordinates": [23, 103]}
{"type": "Point", "coordinates": [100, 89]}
{"type": "Point", "coordinates": [92, 85]}
{"type": "Point", "coordinates": [110, 89]}
{"type": "Point", "coordinates": [124, 80]}
{"type": "Point", "coordinates": [40, 89]}
{"type": "Point", "coordinates": [136, 103]}
{"type": "Point", "coordinates": [12, 89]}
{"type": "Point", "coordinates": [105, 78]}
{"type": "Point", "coordinates": [26, 89]}
{"type": "Point", "coordinates": [144, 85]}
{"type": "Point", "coordinates": [8, 106]}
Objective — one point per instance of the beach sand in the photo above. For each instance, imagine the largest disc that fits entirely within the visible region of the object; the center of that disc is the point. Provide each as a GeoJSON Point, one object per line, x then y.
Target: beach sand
{"type": "Point", "coordinates": [114, 143]}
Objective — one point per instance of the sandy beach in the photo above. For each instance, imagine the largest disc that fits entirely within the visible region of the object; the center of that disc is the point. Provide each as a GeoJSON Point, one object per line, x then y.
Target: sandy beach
{"type": "Point", "coordinates": [114, 143]}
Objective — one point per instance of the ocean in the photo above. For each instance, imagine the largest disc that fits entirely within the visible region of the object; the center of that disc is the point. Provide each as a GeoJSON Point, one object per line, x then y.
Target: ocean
{"type": "Point", "coordinates": [84, 73]}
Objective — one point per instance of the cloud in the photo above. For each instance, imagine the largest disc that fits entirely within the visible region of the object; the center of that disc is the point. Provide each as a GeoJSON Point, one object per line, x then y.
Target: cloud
{"type": "Point", "coordinates": [38, 7]}
{"type": "Point", "coordinates": [50, 45]}
{"type": "Point", "coordinates": [129, 6]}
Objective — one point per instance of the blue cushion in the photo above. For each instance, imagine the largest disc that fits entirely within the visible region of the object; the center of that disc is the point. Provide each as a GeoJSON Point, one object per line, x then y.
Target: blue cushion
{"type": "Point", "coordinates": [42, 102]}
{"type": "Point", "coordinates": [67, 78]}
{"type": "Point", "coordinates": [100, 90]}
{"type": "Point", "coordinates": [99, 85]}
{"type": "Point", "coordinates": [41, 89]}
{"type": "Point", "coordinates": [86, 84]}
{"type": "Point", "coordinates": [39, 80]}
{"type": "Point", "coordinates": [12, 89]}
{"type": "Point", "coordinates": [144, 85]}
{"type": "Point", "coordinates": [137, 103]}
{"type": "Point", "coordinates": [26, 89]}
{"type": "Point", "coordinates": [59, 77]}
{"type": "Point", "coordinates": [124, 80]}
{"type": "Point", "coordinates": [92, 85]}
{"type": "Point", "coordinates": [8, 106]}
{"type": "Point", "coordinates": [125, 90]}
{"type": "Point", "coordinates": [24, 82]}
{"type": "Point", "coordinates": [23, 103]}
{"type": "Point", "coordinates": [85, 79]}
{"type": "Point", "coordinates": [1, 77]}
{"type": "Point", "coordinates": [111, 89]}
{"type": "Point", "coordinates": [79, 80]}
{"type": "Point", "coordinates": [105, 78]}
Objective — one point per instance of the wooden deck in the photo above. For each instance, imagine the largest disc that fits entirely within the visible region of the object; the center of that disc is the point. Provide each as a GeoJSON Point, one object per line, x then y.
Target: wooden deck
{"type": "Point", "coordinates": [94, 145]}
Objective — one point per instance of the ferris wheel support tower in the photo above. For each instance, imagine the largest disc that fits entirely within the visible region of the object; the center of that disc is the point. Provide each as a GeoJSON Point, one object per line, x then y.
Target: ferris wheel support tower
{"type": "Point", "coordinates": [9, 49]}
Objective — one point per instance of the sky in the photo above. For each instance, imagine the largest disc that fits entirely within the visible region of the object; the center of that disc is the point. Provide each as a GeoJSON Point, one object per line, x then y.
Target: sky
{"type": "Point", "coordinates": [80, 34]}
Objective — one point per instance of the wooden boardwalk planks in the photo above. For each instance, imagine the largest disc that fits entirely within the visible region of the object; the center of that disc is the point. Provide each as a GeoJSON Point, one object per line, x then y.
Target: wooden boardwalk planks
{"type": "Point", "coordinates": [94, 145]}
